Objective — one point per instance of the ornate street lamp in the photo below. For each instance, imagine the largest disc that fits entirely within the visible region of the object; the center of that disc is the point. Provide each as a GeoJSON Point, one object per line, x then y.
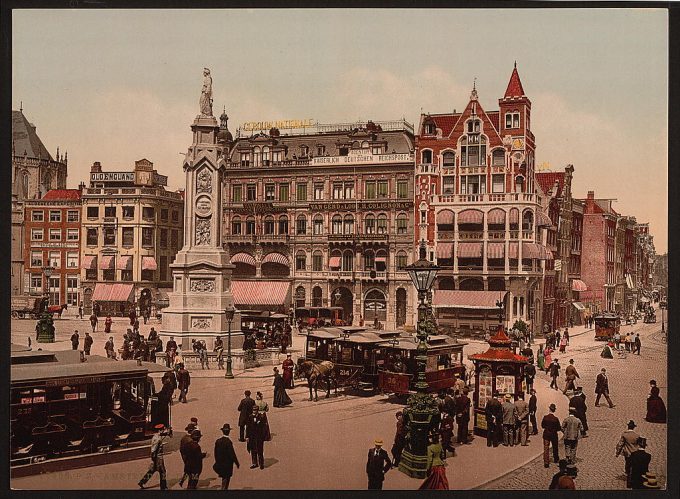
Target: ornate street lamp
{"type": "Point", "coordinates": [229, 314]}
{"type": "Point", "coordinates": [45, 322]}
{"type": "Point", "coordinates": [47, 271]}
{"type": "Point", "coordinates": [422, 413]}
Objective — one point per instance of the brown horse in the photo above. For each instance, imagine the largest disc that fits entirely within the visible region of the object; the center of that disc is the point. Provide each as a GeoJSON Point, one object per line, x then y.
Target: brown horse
{"type": "Point", "coordinates": [314, 373]}
{"type": "Point", "coordinates": [57, 309]}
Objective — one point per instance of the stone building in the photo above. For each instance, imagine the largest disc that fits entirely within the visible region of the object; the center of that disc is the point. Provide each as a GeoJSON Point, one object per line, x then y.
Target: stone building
{"type": "Point", "coordinates": [131, 231]}
{"type": "Point", "coordinates": [322, 217]}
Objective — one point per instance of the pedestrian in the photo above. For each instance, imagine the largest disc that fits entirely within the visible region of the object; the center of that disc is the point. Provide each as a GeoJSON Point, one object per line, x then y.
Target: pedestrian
{"type": "Point", "coordinates": [446, 433]}
{"type": "Point", "coordinates": [562, 479]}
{"type": "Point", "coordinates": [182, 449]}
{"type": "Point", "coordinates": [281, 398]}
{"type": "Point", "coordinates": [602, 388]}
{"type": "Point", "coordinates": [218, 348]}
{"type": "Point", "coordinates": [554, 370]}
{"type": "Point", "coordinates": [110, 349]}
{"type": "Point", "coordinates": [522, 408]}
{"type": "Point", "coordinates": [263, 408]}
{"type": "Point", "coordinates": [288, 367]}
{"type": "Point", "coordinates": [256, 433]}
{"type": "Point", "coordinates": [203, 354]}
{"type": "Point", "coordinates": [157, 463]}
{"type": "Point", "coordinates": [578, 402]}
{"type": "Point", "coordinates": [571, 373]}
{"type": "Point", "coordinates": [556, 340]}
{"type": "Point", "coordinates": [530, 374]}
{"type": "Point", "coordinates": [80, 311]}
{"type": "Point", "coordinates": [532, 412]}
{"type": "Point", "coordinates": [563, 344]}
{"type": "Point", "coordinates": [87, 343]}
{"type": "Point", "coordinates": [96, 309]}
{"type": "Point", "coordinates": [194, 459]}
{"type": "Point", "coordinates": [436, 471]}
{"type": "Point", "coordinates": [225, 457]}
{"type": "Point", "coordinates": [637, 343]}
{"type": "Point", "coordinates": [566, 335]}
{"type": "Point", "coordinates": [93, 322]}
{"type": "Point", "coordinates": [551, 426]}
{"type": "Point", "coordinates": [245, 409]}
{"type": "Point", "coordinates": [183, 382]}
{"type": "Point", "coordinates": [170, 351]}
{"type": "Point", "coordinates": [617, 340]}
{"type": "Point", "coordinates": [75, 340]}
{"type": "Point", "coordinates": [626, 341]}
{"type": "Point", "coordinates": [463, 404]}
{"type": "Point", "coordinates": [377, 465]}
{"type": "Point", "coordinates": [571, 428]}
{"type": "Point", "coordinates": [146, 313]}
{"type": "Point", "coordinates": [107, 324]}
{"type": "Point", "coordinates": [494, 420]}
{"type": "Point", "coordinates": [509, 421]}
{"type": "Point", "coordinates": [399, 439]}
{"type": "Point", "coordinates": [547, 355]}
{"type": "Point", "coordinates": [639, 464]}
{"type": "Point", "coordinates": [540, 358]}
{"type": "Point", "coordinates": [628, 443]}
{"type": "Point", "coordinates": [133, 316]}
{"type": "Point", "coordinates": [656, 409]}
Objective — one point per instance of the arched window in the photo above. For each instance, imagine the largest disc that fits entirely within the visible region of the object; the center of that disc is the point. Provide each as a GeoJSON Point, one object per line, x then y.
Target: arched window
{"type": "Point", "coordinates": [265, 156]}
{"type": "Point", "coordinates": [301, 225]}
{"type": "Point", "coordinates": [301, 260]}
{"type": "Point", "coordinates": [427, 156]}
{"type": "Point", "coordinates": [256, 156]}
{"type": "Point", "coordinates": [527, 220]}
{"type": "Point", "coordinates": [283, 224]}
{"type": "Point", "coordinates": [250, 225]}
{"type": "Point", "coordinates": [402, 260]}
{"type": "Point", "coordinates": [269, 225]}
{"type": "Point", "coordinates": [47, 181]}
{"type": "Point", "coordinates": [369, 260]}
{"type": "Point", "coordinates": [348, 261]}
{"type": "Point", "coordinates": [317, 261]}
{"type": "Point", "coordinates": [300, 296]}
{"type": "Point", "coordinates": [382, 224]}
{"type": "Point", "coordinates": [349, 224]}
{"type": "Point", "coordinates": [24, 184]}
{"type": "Point", "coordinates": [364, 144]}
{"type": "Point", "coordinates": [369, 224]}
{"type": "Point", "coordinates": [381, 261]}
{"type": "Point", "coordinates": [336, 224]}
{"type": "Point", "coordinates": [317, 297]}
{"type": "Point", "coordinates": [402, 223]}
{"type": "Point", "coordinates": [318, 225]}
{"type": "Point", "coordinates": [449, 159]}
{"type": "Point", "coordinates": [236, 225]}
{"type": "Point", "coordinates": [498, 157]}
{"type": "Point", "coordinates": [446, 283]}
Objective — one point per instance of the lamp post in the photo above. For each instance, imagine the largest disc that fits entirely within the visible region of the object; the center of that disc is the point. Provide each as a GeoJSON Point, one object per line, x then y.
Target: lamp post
{"type": "Point", "coordinates": [47, 271]}
{"type": "Point", "coordinates": [663, 326]}
{"type": "Point", "coordinates": [422, 413]}
{"type": "Point", "coordinates": [229, 314]}
{"type": "Point", "coordinates": [337, 295]}
{"type": "Point", "coordinates": [45, 323]}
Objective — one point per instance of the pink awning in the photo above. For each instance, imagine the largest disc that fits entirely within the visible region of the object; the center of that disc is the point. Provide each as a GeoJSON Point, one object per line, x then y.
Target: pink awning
{"type": "Point", "coordinates": [380, 259]}
{"type": "Point", "coordinates": [121, 292]}
{"type": "Point", "coordinates": [514, 216]}
{"type": "Point", "coordinates": [243, 258]}
{"type": "Point", "coordinates": [542, 220]}
{"type": "Point", "coordinates": [578, 285]}
{"type": "Point", "coordinates": [482, 300]}
{"type": "Point", "coordinates": [470, 217]}
{"type": "Point", "coordinates": [444, 250]}
{"type": "Point", "coordinates": [89, 262]}
{"type": "Point", "coordinates": [107, 262]}
{"type": "Point", "coordinates": [124, 262]}
{"type": "Point", "coordinates": [513, 250]}
{"type": "Point", "coordinates": [469, 250]}
{"type": "Point", "coordinates": [248, 293]}
{"type": "Point", "coordinates": [495, 250]}
{"type": "Point", "coordinates": [445, 217]}
{"type": "Point", "coordinates": [531, 251]}
{"type": "Point", "coordinates": [276, 258]}
{"type": "Point", "coordinates": [149, 263]}
{"type": "Point", "coordinates": [334, 262]}
{"type": "Point", "coordinates": [496, 216]}
{"type": "Point", "coordinates": [102, 292]}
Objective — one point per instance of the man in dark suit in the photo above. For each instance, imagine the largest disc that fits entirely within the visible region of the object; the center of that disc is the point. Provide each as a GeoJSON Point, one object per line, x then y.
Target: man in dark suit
{"type": "Point", "coordinates": [602, 388]}
{"type": "Point", "coordinates": [377, 465]}
{"type": "Point", "coordinates": [639, 464]}
{"type": "Point", "coordinates": [183, 382]}
{"type": "Point", "coordinates": [463, 405]}
{"type": "Point", "coordinates": [193, 465]}
{"type": "Point", "coordinates": [551, 426]}
{"type": "Point", "coordinates": [578, 402]}
{"type": "Point", "coordinates": [245, 409]}
{"type": "Point", "coordinates": [225, 457]}
{"type": "Point", "coordinates": [494, 420]}
{"type": "Point", "coordinates": [256, 433]}
{"type": "Point", "coordinates": [532, 412]}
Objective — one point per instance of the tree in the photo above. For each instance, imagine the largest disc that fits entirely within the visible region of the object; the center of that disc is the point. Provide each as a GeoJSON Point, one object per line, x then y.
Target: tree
{"type": "Point", "coordinates": [520, 326]}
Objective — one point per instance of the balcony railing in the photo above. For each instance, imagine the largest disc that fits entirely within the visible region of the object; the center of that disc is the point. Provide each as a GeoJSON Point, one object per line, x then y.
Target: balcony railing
{"type": "Point", "coordinates": [464, 235]}
{"type": "Point", "coordinates": [508, 197]}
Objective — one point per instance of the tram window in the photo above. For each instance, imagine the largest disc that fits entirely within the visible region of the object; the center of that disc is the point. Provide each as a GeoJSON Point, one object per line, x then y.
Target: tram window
{"type": "Point", "coordinates": [311, 347]}
{"type": "Point", "coordinates": [346, 355]}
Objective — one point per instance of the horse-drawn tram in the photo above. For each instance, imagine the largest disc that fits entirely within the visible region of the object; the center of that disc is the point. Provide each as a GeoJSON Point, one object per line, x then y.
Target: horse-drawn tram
{"type": "Point", "coordinates": [398, 374]}
{"type": "Point", "coordinates": [64, 405]}
{"type": "Point", "coordinates": [607, 325]}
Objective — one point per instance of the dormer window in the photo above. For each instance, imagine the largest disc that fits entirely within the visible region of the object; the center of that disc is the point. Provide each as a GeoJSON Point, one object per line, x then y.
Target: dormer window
{"type": "Point", "coordinates": [512, 119]}
{"type": "Point", "coordinates": [430, 129]}
{"type": "Point", "coordinates": [474, 126]}
{"type": "Point", "coordinates": [304, 150]}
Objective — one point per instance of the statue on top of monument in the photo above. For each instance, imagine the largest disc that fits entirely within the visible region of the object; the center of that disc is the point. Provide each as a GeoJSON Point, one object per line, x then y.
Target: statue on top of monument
{"type": "Point", "coordinates": [205, 103]}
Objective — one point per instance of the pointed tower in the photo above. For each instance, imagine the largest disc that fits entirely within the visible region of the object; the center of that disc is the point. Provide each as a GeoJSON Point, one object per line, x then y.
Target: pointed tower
{"type": "Point", "coordinates": [201, 272]}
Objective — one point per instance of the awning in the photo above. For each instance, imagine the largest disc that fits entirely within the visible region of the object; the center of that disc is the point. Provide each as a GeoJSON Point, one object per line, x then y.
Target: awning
{"type": "Point", "coordinates": [445, 217]}
{"type": "Point", "coordinates": [514, 250]}
{"type": "Point", "coordinates": [102, 292]}
{"type": "Point", "coordinates": [334, 262]}
{"type": "Point", "coordinates": [469, 250]}
{"type": "Point", "coordinates": [495, 250]}
{"type": "Point", "coordinates": [542, 220]}
{"type": "Point", "coordinates": [249, 293]}
{"type": "Point", "coordinates": [380, 259]}
{"type": "Point", "coordinates": [496, 216]}
{"type": "Point", "coordinates": [89, 262]}
{"type": "Point", "coordinates": [444, 250]}
{"type": "Point", "coordinates": [107, 262]}
{"type": "Point", "coordinates": [124, 262]}
{"type": "Point", "coordinates": [243, 258]}
{"type": "Point", "coordinates": [578, 305]}
{"type": "Point", "coordinates": [514, 216]}
{"type": "Point", "coordinates": [470, 217]}
{"type": "Point", "coordinates": [149, 263]}
{"type": "Point", "coordinates": [481, 300]}
{"type": "Point", "coordinates": [532, 250]}
{"type": "Point", "coordinates": [578, 285]}
{"type": "Point", "coordinates": [276, 258]}
{"type": "Point", "coordinates": [121, 292]}
{"type": "Point", "coordinates": [629, 281]}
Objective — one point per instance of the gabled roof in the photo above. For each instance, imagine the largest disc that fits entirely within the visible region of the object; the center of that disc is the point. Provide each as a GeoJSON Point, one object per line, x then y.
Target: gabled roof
{"type": "Point", "coordinates": [547, 180]}
{"type": "Point", "coordinates": [445, 122]}
{"type": "Point", "coordinates": [63, 194]}
{"type": "Point", "coordinates": [25, 138]}
{"type": "Point", "coordinates": [514, 85]}
{"type": "Point", "coordinates": [490, 129]}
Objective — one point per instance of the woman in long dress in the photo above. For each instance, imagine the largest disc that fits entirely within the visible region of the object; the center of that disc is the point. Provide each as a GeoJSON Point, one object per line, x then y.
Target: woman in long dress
{"type": "Point", "coordinates": [563, 343]}
{"type": "Point", "coordinates": [281, 398]}
{"type": "Point", "coordinates": [547, 358]}
{"type": "Point", "coordinates": [540, 358]}
{"type": "Point", "coordinates": [656, 409]}
{"type": "Point", "coordinates": [263, 408]}
{"type": "Point", "coordinates": [436, 470]}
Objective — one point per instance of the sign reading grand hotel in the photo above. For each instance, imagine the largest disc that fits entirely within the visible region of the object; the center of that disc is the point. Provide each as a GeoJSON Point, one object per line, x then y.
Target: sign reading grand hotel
{"type": "Point", "coordinates": [362, 158]}
{"type": "Point", "coordinates": [285, 124]}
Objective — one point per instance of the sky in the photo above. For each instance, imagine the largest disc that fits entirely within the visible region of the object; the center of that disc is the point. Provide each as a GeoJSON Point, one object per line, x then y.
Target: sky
{"type": "Point", "coordinates": [116, 86]}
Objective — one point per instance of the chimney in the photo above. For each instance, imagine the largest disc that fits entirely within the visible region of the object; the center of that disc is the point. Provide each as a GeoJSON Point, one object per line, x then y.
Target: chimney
{"type": "Point", "coordinates": [81, 186]}
{"type": "Point", "coordinates": [96, 167]}
{"type": "Point", "coordinates": [591, 195]}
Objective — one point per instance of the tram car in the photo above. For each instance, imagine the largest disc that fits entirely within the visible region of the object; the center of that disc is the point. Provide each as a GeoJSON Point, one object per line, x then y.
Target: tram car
{"type": "Point", "coordinates": [319, 345]}
{"type": "Point", "coordinates": [606, 326]}
{"type": "Point", "coordinates": [320, 316]}
{"type": "Point", "coordinates": [650, 317]}
{"type": "Point", "coordinates": [64, 403]}
{"type": "Point", "coordinates": [398, 373]}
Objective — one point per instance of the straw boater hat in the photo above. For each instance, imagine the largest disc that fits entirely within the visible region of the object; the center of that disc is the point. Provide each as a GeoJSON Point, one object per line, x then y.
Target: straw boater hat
{"type": "Point", "coordinates": [650, 481]}
{"type": "Point", "coordinates": [508, 396]}
{"type": "Point", "coordinates": [378, 442]}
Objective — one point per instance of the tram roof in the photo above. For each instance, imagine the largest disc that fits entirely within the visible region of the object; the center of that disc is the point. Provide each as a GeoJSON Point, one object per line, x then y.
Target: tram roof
{"type": "Point", "coordinates": [434, 342]}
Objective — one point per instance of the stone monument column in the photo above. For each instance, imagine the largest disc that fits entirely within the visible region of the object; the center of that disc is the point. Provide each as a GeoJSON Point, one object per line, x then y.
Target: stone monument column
{"type": "Point", "coordinates": [201, 272]}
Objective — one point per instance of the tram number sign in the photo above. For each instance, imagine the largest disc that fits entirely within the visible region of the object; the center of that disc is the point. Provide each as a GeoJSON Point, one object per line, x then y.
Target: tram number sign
{"type": "Point", "coordinates": [83, 380]}
{"type": "Point", "coordinates": [344, 373]}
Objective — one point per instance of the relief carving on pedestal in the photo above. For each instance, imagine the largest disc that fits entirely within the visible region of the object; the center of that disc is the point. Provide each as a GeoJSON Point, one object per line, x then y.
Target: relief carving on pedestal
{"type": "Point", "coordinates": [203, 231]}
{"type": "Point", "coordinates": [202, 285]}
{"type": "Point", "coordinates": [201, 322]}
{"type": "Point", "coordinates": [204, 182]}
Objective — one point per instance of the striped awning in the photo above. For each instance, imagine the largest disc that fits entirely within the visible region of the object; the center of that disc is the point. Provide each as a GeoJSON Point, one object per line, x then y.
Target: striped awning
{"type": "Point", "coordinates": [249, 293]}
{"type": "Point", "coordinates": [124, 262]}
{"type": "Point", "coordinates": [444, 250]}
{"type": "Point", "coordinates": [496, 216]}
{"type": "Point", "coordinates": [578, 285]}
{"type": "Point", "coordinates": [513, 250]}
{"type": "Point", "coordinates": [445, 217]}
{"type": "Point", "coordinates": [495, 250]}
{"type": "Point", "coordinates": [276, 258]}
{"type": "Point", "coordinates": [121, 292]}
{"type": "Point", "coordinates": [480, 300]}
{"type": "Point", "coordinates": [243, 258]}
{"type": "Point", "coordinates": [470, 217]}
{"type": "Point", "coordinates": [149, 263]}
{"type": "Point", "coordinates": [107, 262]}
{"type": "Point", "coordinates": [469, 250]}
{"type": "Point", "coordinates": [542, 220]}
{"type": "Point", "coordinates": [334, 262]}
{"type": "Point", "coordinates": [89, 262]}
{"type": "Point", "coordinates": [102, 292]}
{"type": "Point", "coordinates": [532, 251]}
{"type": "Point", "coordinates": [514, 216]}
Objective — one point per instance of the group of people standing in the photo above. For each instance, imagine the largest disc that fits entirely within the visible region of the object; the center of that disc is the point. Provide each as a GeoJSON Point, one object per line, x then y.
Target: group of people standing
{"type": "Point", "coordinates": [507, 419]}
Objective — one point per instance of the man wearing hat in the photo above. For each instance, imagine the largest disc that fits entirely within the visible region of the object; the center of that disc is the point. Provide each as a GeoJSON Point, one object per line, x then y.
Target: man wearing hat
{"type": "Point", "coordinates": [182, 448]}
{"type": "Point", "coordinates": [509, 420]}
{"type": "Point", "coordinates": [602, 388]}
{"type": "Point", "coordinates": [157, 463]}
{"type": "Point", "coordinates": [288, 367]}
{"type": "Point", "coordinates": [256, 434]}
{"type": "Point", "coordinates": [628, 443]}
{"type": "Point", "coordinates": [245, 409]}
{"type": "Point", "coordinates": [193, 466]}
{"type": "Point", "coordinates": [554, 370]}
{"type": "Point", "coordinates": [551, 426]}
{"type": "Point", "coordinates": [377, 465]}
{"type": "Point", "coordinates": [578, 403]}
{"type": "Point", "coordinates": [639, 464]}
{"type": "Point", "coordinates": [463, 405]}
{"type": "Point", "coordinates": [522, 427]}
{"type": "Point", "coordinates": [494, 420]}
{"type": "Point", "coordinates": [571, 427]}
{"type": "Point", "coordinates": [183, 382]}
{"type": "Point", "coordinates": [562, 479]}
{"type": "Point", "coordinates": [225, 457]}
{"type": "Point", "coordinates": [650, 481]}
{"type": "Point", "coordinates": [571, 373]}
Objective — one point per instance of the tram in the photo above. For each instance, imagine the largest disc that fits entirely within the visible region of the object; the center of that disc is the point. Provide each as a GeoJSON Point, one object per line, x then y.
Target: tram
{"type": "Point", "coordinates": [320, 316]}
{"type": "Point", "coordinates": [606, 325]}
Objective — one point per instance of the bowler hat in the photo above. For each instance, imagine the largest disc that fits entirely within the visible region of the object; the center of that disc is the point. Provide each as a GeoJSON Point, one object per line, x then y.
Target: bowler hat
{"type": "Point", "coordinates": [190, 427]}
{"type": "Point", "coordinates": [378, 441]}
{"type": "Point", "coordinates": [552, 407]}
{"type": "Point", "coordinates": [196, 434]}
{"type": "Point", "coordinates": [226, 427]}
{"type": "Point", "coordinates": [631, 424]}
{"type": "Point", "coordinates": [194, 420]}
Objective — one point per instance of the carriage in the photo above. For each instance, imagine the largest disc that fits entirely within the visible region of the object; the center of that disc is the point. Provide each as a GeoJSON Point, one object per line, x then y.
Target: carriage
{"type": "Point", "coordinates": [62, 405]}
{"type": "Point", "coordinates": [606, 325]}
{"type": "Point", "coordinates": [26, 307]}
{"type": "Point", "coordinates": [650, 317]}
{"type": "Point", "coordinates": [320, 316]}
